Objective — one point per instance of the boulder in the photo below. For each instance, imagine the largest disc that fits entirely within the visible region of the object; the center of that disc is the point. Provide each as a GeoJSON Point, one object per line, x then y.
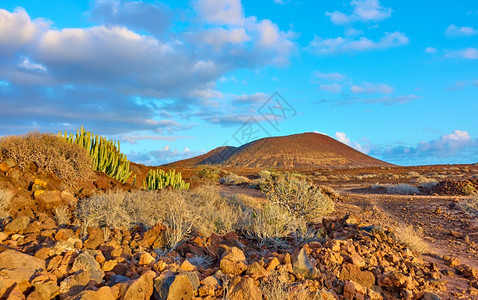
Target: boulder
{"type": "Point", "coordinates": [48, 200]}
{"type": "Point", "coordinates": [146, 259]}
{"type": "Point", "coordinates": [74, 284]}
{"type": "Point", "coordinates": [95, 238]}
{"type": "Point", "coordinates": [173, 287]}
{"type": "Point", "coordinates": [302, 265]}
{"type": "Point", "coordinates": [353, 273]}
{"type": "Point", "coordinates": [141, 288]}
{"type": "Point", "coordinates": [154, 237]}
{"type": "Point", "coordinates": [245, 289]}
{"type": "Point", "coordinates": [11, 259]}
{"type": "Point", "coordinates": [104, 293]}
{"type": "Point", "coordinates": [87, 262]}
{"type": "Point", "coordinates": [18, 225]}
{"type": "Point", "coordinates": [233, 261]}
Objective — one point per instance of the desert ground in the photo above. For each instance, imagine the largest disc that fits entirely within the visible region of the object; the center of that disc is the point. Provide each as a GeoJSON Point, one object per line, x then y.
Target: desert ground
{"type": "Point", "coordinates": [231, 232]}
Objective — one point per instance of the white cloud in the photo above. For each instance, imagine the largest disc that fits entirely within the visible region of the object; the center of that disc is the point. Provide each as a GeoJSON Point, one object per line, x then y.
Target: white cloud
{"type": "Point", "coordinates": [341, 44]}
{"type": "Point", "coordinates": [458, 142]}
{"type": "Point", "coordinates": [28, 65]}
{"type": "Point", "coordinates": [468, 53]}
{"type": "Point", "coordinates": [455, 31]}
{"type": "Point", "coordinates": [333, 87]}
{"type": "Point", "coordinates": [363, 11]}
{"type": "Point", "coordinates": [220, 12]}
{"type": "Point", "coordinates": [371, 88]}
{"type": "Point", "coordinates": [329, 76]}
{"type": "Point", "coordinates": [430, 50]}
{"type": "Point", "coordinates": [218, 37]}
{"type": "Point", "coordinates": [17, 30]}
{"type": "Point", "coordinates": [343, 138]}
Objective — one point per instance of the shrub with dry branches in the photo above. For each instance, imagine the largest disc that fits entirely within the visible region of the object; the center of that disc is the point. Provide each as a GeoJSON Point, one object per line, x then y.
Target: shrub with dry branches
{"type": "Point", "coordinates": [299, 197]}
{"type": "Point", "coordinates": [49, 153]}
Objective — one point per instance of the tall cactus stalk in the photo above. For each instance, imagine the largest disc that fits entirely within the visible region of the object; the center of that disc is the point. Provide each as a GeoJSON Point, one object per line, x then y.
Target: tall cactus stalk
{"type": "Point", "coordinates": [105, 154]}
{"type": "Point", "coordinates": [158, 179]}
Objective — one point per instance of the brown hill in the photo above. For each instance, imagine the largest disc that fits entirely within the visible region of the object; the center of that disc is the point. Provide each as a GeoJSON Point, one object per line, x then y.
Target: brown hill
{"type": "Point", "coordinates": [306, 150]}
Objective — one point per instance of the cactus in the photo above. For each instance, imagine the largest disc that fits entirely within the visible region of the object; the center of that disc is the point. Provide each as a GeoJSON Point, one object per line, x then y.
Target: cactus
{"type": "Point", "coordinates": [105, 154]}
{"type": "Point", "coordinates": [158, 179]}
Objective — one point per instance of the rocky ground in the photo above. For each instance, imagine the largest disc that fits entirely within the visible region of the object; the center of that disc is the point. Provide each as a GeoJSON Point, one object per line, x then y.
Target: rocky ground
{"type": "Point", "coordinates": [356, 258]}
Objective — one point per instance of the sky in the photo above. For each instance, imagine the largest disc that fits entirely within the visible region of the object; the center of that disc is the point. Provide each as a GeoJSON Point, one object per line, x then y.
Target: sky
{"type": "Point", "coordinates": [397, 80]}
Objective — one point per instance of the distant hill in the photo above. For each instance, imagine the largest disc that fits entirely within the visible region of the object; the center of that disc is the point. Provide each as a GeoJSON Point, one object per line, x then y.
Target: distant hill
{"type": "Point", "coordinates": [306, 150]}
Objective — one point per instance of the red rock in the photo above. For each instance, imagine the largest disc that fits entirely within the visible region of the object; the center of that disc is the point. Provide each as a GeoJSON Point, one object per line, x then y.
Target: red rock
{"type": "Point", "coordinates": [146, 259]}
{"type": "Point", "coordinates": [245, 289]}
{"type": "Point", "coordinates": [173, 287]}
{"type": "Point", "coordinates": [353, 273]}
{"type": "Point", "coordinates": [141, 288]}
{"type": "Point", "coordinates": [233, 261]}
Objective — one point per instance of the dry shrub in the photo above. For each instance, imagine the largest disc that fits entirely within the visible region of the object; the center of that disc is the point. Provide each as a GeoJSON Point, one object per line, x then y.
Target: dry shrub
{"type": "Point", "coordinates": [411, 237]}
{"type": "Point", "coordinates": [234, 179]}
{"type": "Point", "coordinates": [275, 289]}
{"type": "Point", "coordinates": [5, 200]}
{"type": "Point", "coordinates": [62, 215]}
{"type": "Point", "coordinates": [402, 189]}
{"type": "Point", "coordinates": [299, 197]}
{"type": "Point", "coordinates": [216, 213]}
{"type": "Point", "coordinates": [201, 210]}
{"type": "Point", "coordinates": [49, 153]}
{"type": "Point", "coordinates": [470, 205]}
{"type": "Point", "coordinates": [274, 226]}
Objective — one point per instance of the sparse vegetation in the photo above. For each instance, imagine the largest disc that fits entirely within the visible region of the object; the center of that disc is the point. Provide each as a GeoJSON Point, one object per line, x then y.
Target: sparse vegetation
{"type": "Point", "coordinates": [5, 199]}
{"type": "Point", "coordinates": [234, 179]}
{"type": "Point", "coordinates": [468, 189]}
{"type": "Point", "coordinates": [272, 224]}
{"type": "Point", "coordinates": [105, 154]}
{"type": "Point", "coordinates": [398, 189]}
{"type": "Point", "coordinates": [300, 198]}
{"type": "Point", "coordinates": [201, 210]}
{"type": "Point", "coordinates": [49, 154]}
{"type": "Point", "coordinates": [62, 215]}
{"type": "Point", "coordinates": [411, 237]}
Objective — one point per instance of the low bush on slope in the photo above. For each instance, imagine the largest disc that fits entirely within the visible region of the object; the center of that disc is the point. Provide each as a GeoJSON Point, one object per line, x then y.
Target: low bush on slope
{"type": "Point", "coordinates": [48, 153]}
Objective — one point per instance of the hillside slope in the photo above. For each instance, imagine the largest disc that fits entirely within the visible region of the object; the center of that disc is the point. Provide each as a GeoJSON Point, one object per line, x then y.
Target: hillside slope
{"type": "Point", "coordinates": [306, 150]}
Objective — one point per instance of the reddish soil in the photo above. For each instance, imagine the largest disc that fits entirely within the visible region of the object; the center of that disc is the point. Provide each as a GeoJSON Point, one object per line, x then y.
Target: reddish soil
{"type": "Point", "coordinates": [293, 151]}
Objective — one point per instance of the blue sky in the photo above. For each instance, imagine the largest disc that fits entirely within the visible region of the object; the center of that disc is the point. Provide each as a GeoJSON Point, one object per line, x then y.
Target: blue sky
{"type": "Point", "coordinates": [173, 79]}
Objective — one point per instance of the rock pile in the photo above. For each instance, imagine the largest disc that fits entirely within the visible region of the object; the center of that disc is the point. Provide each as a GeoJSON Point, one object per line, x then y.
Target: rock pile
{"type": "Point", "coordinates": [39, 260]}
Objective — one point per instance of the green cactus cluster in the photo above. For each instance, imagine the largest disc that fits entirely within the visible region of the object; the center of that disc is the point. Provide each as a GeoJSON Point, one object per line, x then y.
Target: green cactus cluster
{"type": "Point", "coordinates": [158, 179]}
{"type": "Point", "coordinates": [105, 154]}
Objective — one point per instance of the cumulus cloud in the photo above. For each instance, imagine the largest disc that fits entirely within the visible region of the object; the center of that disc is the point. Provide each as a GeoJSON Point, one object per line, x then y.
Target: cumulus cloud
{"type": "Point", "coordinates": [455, 31]}
{"type": "Point", "coordinates": [363, 11]}
{"type": "Point", "coordinates": [430, 50]}
{"type": "Point", "coordinates": [343, 138]}
{"type": "Point", "coordinates": [17, 30]}
{"type": "Point", "coordinates": [342, 44]}
{"type": "Point", "coordinates": [458, 142]}
{"type": "Point", "coordinates": [137, 15]}
{"type": "Point", "coordinates": [130, 61]}
{"type": "Point", "coordinates": [372, 88]}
